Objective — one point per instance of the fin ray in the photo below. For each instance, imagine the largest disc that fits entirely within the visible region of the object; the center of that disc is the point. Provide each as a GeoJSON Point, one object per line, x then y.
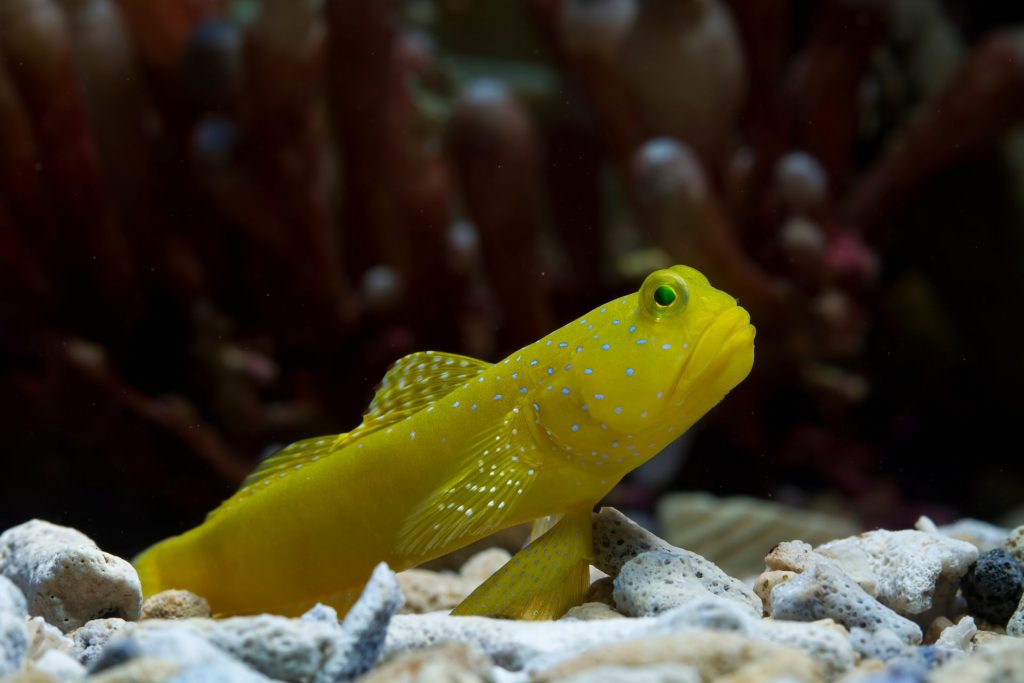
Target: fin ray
{"type": "Point", "coordinates": [410, 384]}
{"type": "Point", "coordinates": [479, 498]}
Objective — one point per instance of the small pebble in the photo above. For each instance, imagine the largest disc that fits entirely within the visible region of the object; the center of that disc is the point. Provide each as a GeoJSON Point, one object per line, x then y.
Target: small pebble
{"type": "Point", "coordinates": [175, 604]}
{"type": "Point", "coordinates": [993, 586]}
{"type": "Point", "coordinates": [590, 611]}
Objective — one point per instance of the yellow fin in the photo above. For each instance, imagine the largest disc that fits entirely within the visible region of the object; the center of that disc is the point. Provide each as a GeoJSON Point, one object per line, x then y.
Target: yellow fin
{"type": "Point", "coordinates": [278, 466]}
{"type": "Point", "coordinates": [496, 473]}
{"type": "Point", "coordinates": [542, 580]}
{"type": "Point", "coordinates": [542, 526]}
{"type": "Point", "coordinates": [414, 382]}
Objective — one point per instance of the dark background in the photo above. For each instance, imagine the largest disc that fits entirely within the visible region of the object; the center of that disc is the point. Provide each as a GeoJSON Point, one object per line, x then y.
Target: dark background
{"type": "Point", "coordinates": [221, 221]}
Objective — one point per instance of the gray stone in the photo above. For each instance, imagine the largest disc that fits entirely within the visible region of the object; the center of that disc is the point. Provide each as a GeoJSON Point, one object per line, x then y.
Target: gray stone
{"type": "Point", "coordinates": [66, 579]}
{"type": "Point", "coordinates": [365, 628]}
{"type": "Point", "coordinates": [322, 613]}
{"type": "Point", "coordinates": [14, 635]}
{"type": "Point", "coordinates": [659, 580]}
{"type": "Point", "coordinates": [911, 572]}
{"type": "Point", "coordinates": [825, 592]}
{"type": "Point", "coordinates": [618, 539]}
{"type": "Point", "coordinates": [277, 647]}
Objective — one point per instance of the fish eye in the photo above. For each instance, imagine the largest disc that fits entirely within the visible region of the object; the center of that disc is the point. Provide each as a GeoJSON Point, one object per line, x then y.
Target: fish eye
{"type": "Point", "coordinates": [664, 296]}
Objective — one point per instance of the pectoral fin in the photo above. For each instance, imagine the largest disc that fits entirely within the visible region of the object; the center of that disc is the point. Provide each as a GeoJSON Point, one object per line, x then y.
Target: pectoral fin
{"type": "Point", "coordinates": [543, 580]}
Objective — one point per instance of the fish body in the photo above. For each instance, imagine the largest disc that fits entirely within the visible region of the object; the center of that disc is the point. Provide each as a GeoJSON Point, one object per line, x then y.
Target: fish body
{"type": "Point", "coordinates": [453, 449]}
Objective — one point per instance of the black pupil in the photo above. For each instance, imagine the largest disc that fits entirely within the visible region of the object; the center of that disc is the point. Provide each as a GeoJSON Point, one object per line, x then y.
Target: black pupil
{"type": "Point", "coordinates": [664, 295]}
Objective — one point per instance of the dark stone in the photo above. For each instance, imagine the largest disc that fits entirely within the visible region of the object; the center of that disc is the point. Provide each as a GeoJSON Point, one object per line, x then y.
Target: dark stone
{"type": "Point", "coordinates": [993, 586]}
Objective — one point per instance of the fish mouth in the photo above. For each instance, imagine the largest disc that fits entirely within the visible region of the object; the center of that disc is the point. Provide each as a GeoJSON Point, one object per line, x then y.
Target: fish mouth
{"type": "Point", "coordinates": [727, 343]}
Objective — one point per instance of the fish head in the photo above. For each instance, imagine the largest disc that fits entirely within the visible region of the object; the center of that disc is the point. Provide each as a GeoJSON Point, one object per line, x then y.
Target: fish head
{"type": "Point", "coordinates": [650, 364]}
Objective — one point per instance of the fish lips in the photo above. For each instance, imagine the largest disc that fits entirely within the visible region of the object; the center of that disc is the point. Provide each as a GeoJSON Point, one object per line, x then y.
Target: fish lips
{"type": "Point", "coordinates": [721, 358]}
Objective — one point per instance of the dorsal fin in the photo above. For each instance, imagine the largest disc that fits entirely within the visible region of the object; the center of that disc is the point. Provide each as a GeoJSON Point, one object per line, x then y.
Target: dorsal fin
{"type": "Point", "coordinates": [415, 381]}
{"type": "Point", "coordinates": [410, 384]}
{"type": "Point", "coordinates": [278, 466]}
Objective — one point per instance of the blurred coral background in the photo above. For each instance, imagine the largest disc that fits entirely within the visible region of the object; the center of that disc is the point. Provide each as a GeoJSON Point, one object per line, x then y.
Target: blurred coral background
{"type": "Point", "coordinates": [221, 220]}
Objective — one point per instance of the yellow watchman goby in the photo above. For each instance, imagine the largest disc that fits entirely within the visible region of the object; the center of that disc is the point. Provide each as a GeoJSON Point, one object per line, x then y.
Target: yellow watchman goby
{"type": "Point", "coordinates": [453, 449]}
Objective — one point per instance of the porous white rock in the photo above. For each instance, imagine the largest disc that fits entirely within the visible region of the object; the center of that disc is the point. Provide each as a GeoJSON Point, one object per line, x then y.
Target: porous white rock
{"type": "Point", "coordinates": [659, 580]}
{"type": "Point", "coordinates": [14, 636]}
{"type": "Point", "coordinates": [880, 643]}
{"type": "Point", "coordinates": [532, 647]}
{"type": "Point", "coordinates": [825, 591]}
{"type": "Point", "coordinates": [43, 637]}
{"type": "Point", "coordinates": [1014, 544]}
{"type": "Point", "coordinates": [65, 577]}
{"type": "Point", "coordinates": [618, 539]}
{"type": "Point", "coordinates": [89, 640]}
{"type": "Point", "coordinates": [825, 641]}
{"type": "Point", "coordinates": [791, 556]}
{"type": "Point", "coordinates": [511, 644]}
{"type": "Point", "coordinates": [908, 571]}
{"type": "Point", "coordinates": [959, 637]}
{"type": "Point", "coordinates": [169, 651]}
{"type": "Point", "coordinates": [982, 535]}
{"type": "Point", "coordinates": [277, 647]}
{"type": "Point", "coordinates": [60, 666]}
{"type": "Point", "coordinates": [365, 627]}
{"type": "Point", "coordinates": [768, 580]}
{"type": "Point", "coordinates": [314, 648]}
{"type": "Point", "coordinates": [1015, 627]}
{"type": "Point", "coordinates": [724, 657]}
{"type": "Point", "coordinates": [1000, 661]}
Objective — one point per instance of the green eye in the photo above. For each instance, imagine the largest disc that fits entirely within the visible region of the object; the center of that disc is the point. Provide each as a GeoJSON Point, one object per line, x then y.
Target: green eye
{"type": "Point", "coordinates": [664, 295]}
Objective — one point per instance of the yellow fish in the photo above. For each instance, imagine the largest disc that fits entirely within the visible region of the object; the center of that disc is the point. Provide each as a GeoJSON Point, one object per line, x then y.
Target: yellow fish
{"type": "Point", "coordinates": [453, 449]}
